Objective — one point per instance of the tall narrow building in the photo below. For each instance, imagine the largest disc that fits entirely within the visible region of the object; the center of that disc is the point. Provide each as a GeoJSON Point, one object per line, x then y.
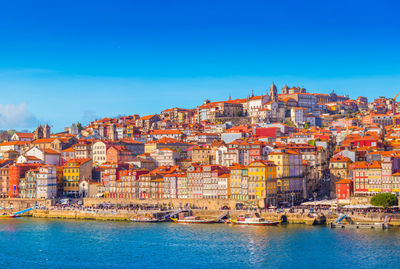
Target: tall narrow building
{"type": "Point", "coordinates": [273, 93]}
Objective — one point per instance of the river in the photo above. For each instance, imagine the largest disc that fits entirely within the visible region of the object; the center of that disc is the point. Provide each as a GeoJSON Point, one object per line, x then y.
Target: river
{"type": "Point", "coordinates": [42, 243]}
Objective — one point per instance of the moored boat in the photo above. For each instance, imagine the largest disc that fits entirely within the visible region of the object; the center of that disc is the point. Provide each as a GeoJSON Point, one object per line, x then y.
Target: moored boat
{"type": "Point", "coordinates": [256, 221]}
{"type": "Point", "coordinates": [378, 225]}
{"type": "Point", "coordinates": [192, 220]}
{"type": "Point", "coordinates": [146, 220]}
{"type": "Point", "coordinates": [7, 216]}
{"type": "Point", "coordinates": [355, 225]}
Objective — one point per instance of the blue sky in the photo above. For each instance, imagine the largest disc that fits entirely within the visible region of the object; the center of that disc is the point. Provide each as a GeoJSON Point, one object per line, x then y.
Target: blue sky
{"type": "Point", "coordinates": [68, 61]}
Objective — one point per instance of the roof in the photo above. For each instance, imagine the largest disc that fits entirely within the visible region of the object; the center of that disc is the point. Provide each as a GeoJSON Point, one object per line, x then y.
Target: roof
{"type": "Point", "coordinates": [344, 181]}
{"type": "Point", "coordinates": [339, 159]}
{"type": "Point", "coordinates": [24, 135]}
{"type": "Point", "coordinates": [50, 151]}
{"type": "Point", "coordinates": [264, 163]}
{"type": "Point", "coordinates": [43, 140]}
{"type": "Point", "coordinates": [13, 143]}
{"type": "Point", "coordinates": [77, 161]}
{"type": "Point", "coordinates": [148, 117]}
{"type": "Point", "coordinates": [168, 131]}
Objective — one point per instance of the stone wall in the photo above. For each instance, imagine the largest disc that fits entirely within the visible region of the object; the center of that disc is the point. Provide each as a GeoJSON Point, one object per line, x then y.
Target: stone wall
{"type": "Point", "coordinates": [212, 204]}
{"type": "Point", "coordinates": [17, 204]}
{"type": "Point", "coordinates": [361, 200]}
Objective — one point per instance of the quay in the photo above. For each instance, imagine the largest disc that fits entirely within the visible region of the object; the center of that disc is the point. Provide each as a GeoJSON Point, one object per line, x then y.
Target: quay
{"type": "Point", "coordinates": [90, 210]}
{"type": "Point", "coordinates": [125, 215]}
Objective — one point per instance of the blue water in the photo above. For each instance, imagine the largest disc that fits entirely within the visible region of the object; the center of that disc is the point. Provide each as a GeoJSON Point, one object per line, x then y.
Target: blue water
{"type": "Point", "coordinates": [37, 243]}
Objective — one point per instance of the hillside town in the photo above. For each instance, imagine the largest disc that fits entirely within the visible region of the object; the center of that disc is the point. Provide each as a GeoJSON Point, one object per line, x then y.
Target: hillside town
{"type": "Point", "coordinates": [271, 150]}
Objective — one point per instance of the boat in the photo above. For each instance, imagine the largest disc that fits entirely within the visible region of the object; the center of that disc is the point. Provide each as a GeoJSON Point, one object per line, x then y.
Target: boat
{"type": "Point", "coordinates": [8, 216]}
{"type": "Point", "coordinates": [255, 221]}
{"type": "Point", "coordinates": [376, 225]}
{"type": "Point", "coordinates": [193, 220]}
{"type": "Point", "coordinates": [146, 220]}
{"type": "Point", "coordinates": [17, 214]}
{"type": "Point", "coordinates": [350, 224]}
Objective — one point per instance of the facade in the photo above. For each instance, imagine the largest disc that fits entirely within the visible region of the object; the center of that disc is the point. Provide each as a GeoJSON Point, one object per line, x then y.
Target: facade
{"type": "Point", "coordinates": [119, 154]}
{"type": "Point", "coordinates": [165, 157]}
{"type": "Point", "coordinates": [344, 190]}
{"type": "Point", "coordinates": [339, 169]}
{"type": "Point", "coordinates": [46, 182]}
{"type": "Point", "coordinates": [238, 182]}
{"type": "Point", "coordinates": [100, 152]}
{"type": "Point", "coordinates": [262, 177]}
{"type": "Point", "coordinates": [74, 172]}
{"type": "Point", "coordinates": [201, 155]}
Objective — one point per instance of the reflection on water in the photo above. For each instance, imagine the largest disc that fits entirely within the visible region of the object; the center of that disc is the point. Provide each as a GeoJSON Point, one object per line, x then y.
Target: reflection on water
{"type": "Point", "coordinates": [36, 243]}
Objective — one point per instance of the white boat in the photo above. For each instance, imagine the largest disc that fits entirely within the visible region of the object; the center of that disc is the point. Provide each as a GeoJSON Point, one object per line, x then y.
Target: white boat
{"type": "Point", "coordinates": [256, 221]}
{"type": "Point", "coordinates": [193, 220]}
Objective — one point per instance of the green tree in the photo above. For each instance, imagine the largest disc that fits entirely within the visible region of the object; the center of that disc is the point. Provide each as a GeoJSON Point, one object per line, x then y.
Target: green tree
{"type": "Point", "coordinates": [384, 200]}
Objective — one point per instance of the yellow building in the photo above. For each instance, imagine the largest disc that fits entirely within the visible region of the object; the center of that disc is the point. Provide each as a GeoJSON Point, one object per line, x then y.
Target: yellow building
{"type": "Point", "coordinates": [60, 179]}
{"type": "Point", "coordinates": [130, 131]}
{"type": "Point", "coordinates": [396, 183]}
{"type": "Point", "coordinates": [238, 182]}
{"type": "Point", "coordinates": [281, 160]}
{"type": "Point", "coordinates": [74, 171]}
{"type": "Point", "coordinates": [262, 181]}
{"type": "Point", "coordinates": [375, 177]}
{"type": "Point", "coordinates": [201, 155]}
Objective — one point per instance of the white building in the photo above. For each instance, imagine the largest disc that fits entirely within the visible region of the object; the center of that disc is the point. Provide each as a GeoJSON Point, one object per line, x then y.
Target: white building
{"type": "Point", "coordinates": [22, 137]}
{"type": "Point", "coordinates": [28, 159]}
{"type": "Point", "coordinates": [297, 114]}
{"type": "Point", "coordinates": [165, 157]}
{"type": "Point", "coordinates": [47, 156]}
{"type": "Point", "coordinates": [256, 103]}
{"type": "Point", "coordinates": [99, 152]}
{"type": "Point", "coordinates": [46, 182]}
{"type": "Point", "coordinates": [11, 145]}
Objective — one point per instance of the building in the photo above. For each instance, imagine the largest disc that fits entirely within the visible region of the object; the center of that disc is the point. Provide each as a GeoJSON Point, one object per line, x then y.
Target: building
{"type": "Point", "coordinates": [16, 172]}
{"type": "Point", "coordinates": [339, 169]}
{"type": "Point", "coordinates": [83, 149]}
{"type": "Point", "coordinates": [110, 176]}
{"type": "Point", "coordinates": [22, 137]}
{"type": "Point", "coordinates": [28, 185]}
{"type": "Point", "coordinates": [100, 152]}
{"type": "Point", "coordinates": [238, 182]}
{"type": "Point", "coordinates": [119, 154]}
{"type": "Point", "coordinates": [344, 190]}
{"type": "Point", "coordinates": [4, 177]}
{"type": "Point", "coordinates": [74, 172]}
{"type": "Point", "coordinates": [46, 182]}
{"type": "Point", "coordinates": [127, 185]}
{"type": "Point", "coordinates": [262, 181]}
{"type": "Point", "coordinates": [165, 157]}
{"type": "Point", "coordinates": [201, 155]}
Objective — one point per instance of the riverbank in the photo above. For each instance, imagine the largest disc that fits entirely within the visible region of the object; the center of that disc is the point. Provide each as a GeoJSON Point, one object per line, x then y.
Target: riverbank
{"type": "Point", "coordinates": [125, 215]}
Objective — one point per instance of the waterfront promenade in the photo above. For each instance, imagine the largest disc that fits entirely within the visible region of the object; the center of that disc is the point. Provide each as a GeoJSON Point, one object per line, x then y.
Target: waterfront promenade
{"type": "Point", "coordinates": [94, 209]}
{"type": "Point", "coordinates": [296, 217]}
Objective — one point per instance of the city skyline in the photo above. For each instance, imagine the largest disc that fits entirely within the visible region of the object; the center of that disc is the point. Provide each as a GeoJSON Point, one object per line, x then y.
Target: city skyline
{"type": "Point", "coordinates": [101, 60]}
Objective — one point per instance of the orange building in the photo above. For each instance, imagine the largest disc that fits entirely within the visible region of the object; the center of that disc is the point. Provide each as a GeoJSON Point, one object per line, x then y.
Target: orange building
{"type": "Point", "coordinates": [15, 173]}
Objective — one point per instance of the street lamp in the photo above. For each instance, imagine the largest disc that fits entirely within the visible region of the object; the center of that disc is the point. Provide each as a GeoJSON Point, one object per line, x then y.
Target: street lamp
{"type": "Point", "coordinates": [292, 194]}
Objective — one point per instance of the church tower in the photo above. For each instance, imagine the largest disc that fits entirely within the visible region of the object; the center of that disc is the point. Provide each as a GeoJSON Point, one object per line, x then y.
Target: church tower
{"type": "Point", "coordinates": [38, 133]}
{"type": "Point", "coordinates": [46, 131]}
{"type": "Point", "coordinates": [273, 93]}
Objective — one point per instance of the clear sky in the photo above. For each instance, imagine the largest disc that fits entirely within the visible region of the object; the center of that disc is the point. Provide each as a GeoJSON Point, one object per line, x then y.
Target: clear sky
{"type": "Point", "coordinates": [69, 61]}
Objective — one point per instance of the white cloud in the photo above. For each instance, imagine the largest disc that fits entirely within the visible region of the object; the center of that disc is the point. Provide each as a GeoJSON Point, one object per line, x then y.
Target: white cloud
{"type": "Point", "coordinates": [16, 116]}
